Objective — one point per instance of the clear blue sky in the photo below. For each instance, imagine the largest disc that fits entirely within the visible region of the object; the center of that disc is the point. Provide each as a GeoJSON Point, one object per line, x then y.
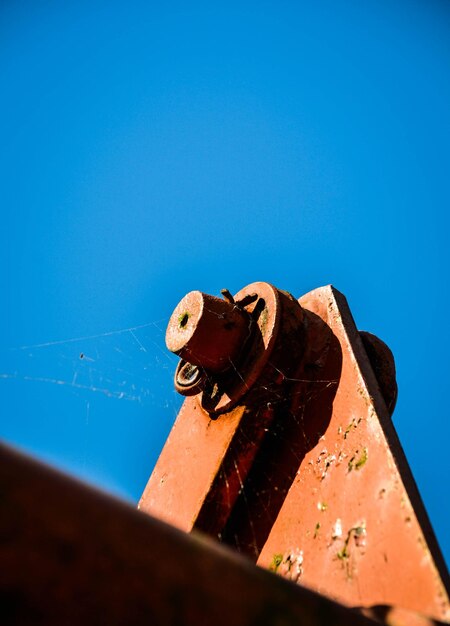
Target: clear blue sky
{"type": "Point", "coordinates": [148, 149]}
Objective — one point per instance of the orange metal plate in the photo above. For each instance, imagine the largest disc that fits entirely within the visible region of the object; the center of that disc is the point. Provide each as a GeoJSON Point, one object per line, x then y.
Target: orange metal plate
{"type": "Point", "coordinates": [189, 464]}
{"type": "Point", "coordinates": [352, 524]}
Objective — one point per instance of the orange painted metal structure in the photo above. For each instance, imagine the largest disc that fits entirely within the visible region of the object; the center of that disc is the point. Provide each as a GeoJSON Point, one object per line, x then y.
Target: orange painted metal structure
{"type": "Point", "coordinates": [288, 454]}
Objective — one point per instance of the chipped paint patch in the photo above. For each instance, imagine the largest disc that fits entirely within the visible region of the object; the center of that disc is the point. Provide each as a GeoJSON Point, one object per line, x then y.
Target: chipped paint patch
{"type": "Point", "coordinates": [358, 463]}
{"type": "Point", "coordinates": [328, 461]}
{"type": "Point", "coordinates": [359, 534]}
{"type": "Point", "coordinates": [275, 563]}
{"type": "Point", "coordinates": [289, 565]}
{"type": "Point", "coordinates": [336, 531]}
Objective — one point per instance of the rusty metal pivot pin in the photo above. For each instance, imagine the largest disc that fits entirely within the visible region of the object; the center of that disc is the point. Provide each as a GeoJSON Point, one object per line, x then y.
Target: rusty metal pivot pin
{"type": "Point", "coordinates": [225, 345]}
{"type": "Point", "coordinates": [207, 331]}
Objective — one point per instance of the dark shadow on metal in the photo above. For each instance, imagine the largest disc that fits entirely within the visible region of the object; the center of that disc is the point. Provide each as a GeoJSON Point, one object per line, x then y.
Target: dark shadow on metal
{"type": "Point", "coordinates": [300, 419]}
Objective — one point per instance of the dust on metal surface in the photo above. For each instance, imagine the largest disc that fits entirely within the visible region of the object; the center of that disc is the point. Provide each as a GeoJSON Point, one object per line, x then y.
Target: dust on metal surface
{"type": "Point", "coordinates": [290, 457]}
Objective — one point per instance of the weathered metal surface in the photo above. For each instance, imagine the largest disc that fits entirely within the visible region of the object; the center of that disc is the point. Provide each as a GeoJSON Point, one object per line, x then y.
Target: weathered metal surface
{"type": "Point", "coordinates": [306, 474]}
{"type": "Point", "coordinates": [71, 556]}
{"type": "Point", "coordinates": [225, 345]}
{"type": "Point", "coordinates": [196, 319]}
{"type": "Point", "coordinates": [352, 517]}
{"type": "Point", "coordinates": [206, 459]}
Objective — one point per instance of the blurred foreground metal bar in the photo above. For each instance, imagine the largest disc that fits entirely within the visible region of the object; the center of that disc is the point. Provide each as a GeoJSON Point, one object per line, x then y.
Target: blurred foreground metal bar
{"type": "Point", "coordinates": [72, 555]}
{"type": "Point", "coordinates": [285, 449]}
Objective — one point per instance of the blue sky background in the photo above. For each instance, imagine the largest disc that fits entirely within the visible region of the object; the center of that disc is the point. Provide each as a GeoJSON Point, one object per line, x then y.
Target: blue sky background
{"type": "Point", "coordinates": [147, 149]}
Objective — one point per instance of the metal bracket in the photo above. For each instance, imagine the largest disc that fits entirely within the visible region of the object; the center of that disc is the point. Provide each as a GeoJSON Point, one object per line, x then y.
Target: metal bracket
{"type": "Point", "coordinates": [293, 459]}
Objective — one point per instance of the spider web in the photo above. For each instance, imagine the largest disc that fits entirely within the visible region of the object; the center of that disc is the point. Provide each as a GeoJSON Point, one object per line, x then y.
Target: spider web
{"type": "Point", "coordinates": [75, 401]}
{"type": "Point", "coordinates": [118, 364]}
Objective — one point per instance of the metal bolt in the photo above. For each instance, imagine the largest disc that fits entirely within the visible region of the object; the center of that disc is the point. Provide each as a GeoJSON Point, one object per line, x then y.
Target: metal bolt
{"type": "Point", "coordinates": [207, 331]}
